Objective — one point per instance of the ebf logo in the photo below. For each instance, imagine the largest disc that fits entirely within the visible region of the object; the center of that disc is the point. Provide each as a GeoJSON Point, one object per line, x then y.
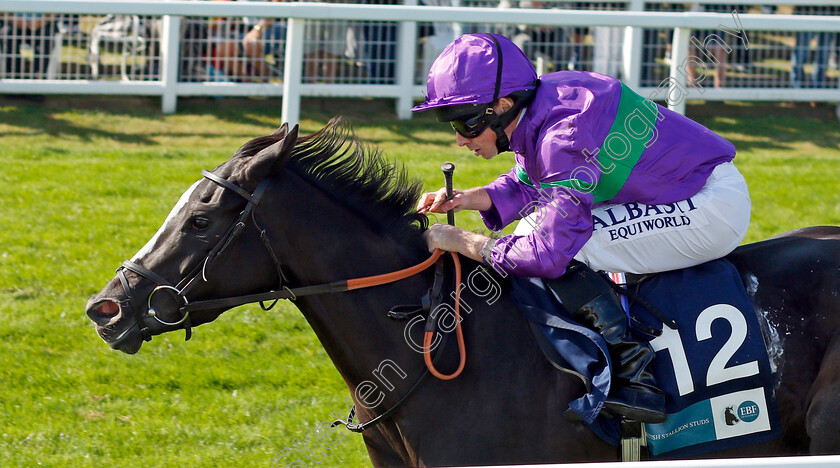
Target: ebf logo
{"type": "Point", "coordinates": [748, 411]}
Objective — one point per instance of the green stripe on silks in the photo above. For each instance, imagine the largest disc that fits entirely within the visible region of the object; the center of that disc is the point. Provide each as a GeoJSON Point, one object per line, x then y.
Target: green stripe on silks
{"type": "Point", "coordinates": [610, 182]}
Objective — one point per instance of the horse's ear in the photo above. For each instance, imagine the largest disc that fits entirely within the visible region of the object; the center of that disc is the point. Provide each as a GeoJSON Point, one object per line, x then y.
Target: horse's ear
{"type": "Point", "coordinates": [272, 158]}
{"type": "Point", "coordinates": [281, 132]}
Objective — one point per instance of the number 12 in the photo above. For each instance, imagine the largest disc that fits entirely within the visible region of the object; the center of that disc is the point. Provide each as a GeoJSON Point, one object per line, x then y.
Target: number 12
{"type": "Point", "coordinates": [718, 372]}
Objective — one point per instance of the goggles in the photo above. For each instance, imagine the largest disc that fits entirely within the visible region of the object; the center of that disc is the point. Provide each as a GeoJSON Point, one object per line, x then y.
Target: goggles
{"type": "Point", "coordinates": [472, 126]}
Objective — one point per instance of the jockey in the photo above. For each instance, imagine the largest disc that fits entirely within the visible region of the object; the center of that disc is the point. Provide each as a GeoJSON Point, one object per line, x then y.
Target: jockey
{"type": "Point", "coordinates": [604, 180]}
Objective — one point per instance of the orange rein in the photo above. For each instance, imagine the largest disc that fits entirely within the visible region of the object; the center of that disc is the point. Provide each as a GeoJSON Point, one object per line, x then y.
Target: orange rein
{"type": "Point", "coordinates": [427, 338]}
{"type": "Point", "coordinates": [386, 278]}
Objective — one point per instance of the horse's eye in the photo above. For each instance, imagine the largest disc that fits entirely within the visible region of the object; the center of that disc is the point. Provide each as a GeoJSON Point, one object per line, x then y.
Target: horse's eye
{"type": "Point", "coordinates": [200, 224]}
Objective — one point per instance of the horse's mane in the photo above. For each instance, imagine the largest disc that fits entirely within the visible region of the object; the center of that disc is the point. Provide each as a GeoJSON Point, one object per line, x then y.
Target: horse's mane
{"type": "Point", "coordinates": [356, 175]}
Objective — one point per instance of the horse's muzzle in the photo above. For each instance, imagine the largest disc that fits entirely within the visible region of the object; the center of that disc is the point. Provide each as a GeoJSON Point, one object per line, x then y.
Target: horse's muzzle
{"type": "Point", "coordinates": [111, 326]}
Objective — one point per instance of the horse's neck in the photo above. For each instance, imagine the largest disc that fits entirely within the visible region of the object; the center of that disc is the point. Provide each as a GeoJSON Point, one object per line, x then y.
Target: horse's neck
{"type": "Point", "coordinates": [334, 244]}
{"type": "Point", "coordinates": [367, 346]}
{"type": "Point", "coordinates": [355, 331]}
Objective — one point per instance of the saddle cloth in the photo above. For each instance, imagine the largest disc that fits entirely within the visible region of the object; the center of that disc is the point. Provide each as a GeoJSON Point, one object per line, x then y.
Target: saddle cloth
{"type": "Point", "coordinates": [714, 369]}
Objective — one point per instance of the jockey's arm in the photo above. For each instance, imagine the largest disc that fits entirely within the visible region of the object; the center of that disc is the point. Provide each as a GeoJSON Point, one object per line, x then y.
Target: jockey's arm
{"type": "Point", "coordinates": [454, 239]}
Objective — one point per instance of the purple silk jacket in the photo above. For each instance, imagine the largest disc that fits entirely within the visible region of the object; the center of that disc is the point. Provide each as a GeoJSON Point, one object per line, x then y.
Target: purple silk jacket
{"type": "Point", "coordinates": [589, 141]}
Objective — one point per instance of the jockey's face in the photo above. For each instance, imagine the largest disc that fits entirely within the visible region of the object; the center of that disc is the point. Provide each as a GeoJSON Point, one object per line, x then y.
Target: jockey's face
{"type": "Point", "coordinates": [483, 145]}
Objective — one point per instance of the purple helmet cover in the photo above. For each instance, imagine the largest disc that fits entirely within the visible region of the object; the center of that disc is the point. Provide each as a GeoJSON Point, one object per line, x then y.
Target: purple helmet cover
{"type": "Point", "coordinates": [466, 70]}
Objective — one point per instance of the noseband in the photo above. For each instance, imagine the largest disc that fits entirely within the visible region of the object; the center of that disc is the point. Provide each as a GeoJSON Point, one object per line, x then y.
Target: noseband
{"type": "Point", "coordinates": [180, 290]}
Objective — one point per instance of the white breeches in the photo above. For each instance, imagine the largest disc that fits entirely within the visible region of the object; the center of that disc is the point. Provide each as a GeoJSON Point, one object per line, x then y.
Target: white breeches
{"type": "Point", "coordinates": [637, 238]}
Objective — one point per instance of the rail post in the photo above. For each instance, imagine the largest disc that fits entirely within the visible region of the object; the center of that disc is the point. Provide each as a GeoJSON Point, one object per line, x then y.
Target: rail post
{"type": "Point", "coordinates": [678, 81]}
{"type": "Point", "coordinates": [406, 64]}
{"type": "Point", "coordinates": [293, 71]}
{"type": "Point", "coordinates": [170, 57]}
{"type": "Point", "coordinates": [631, 65]}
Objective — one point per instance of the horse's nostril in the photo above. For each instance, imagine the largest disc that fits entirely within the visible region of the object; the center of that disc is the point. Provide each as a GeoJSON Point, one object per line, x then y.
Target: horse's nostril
{"type": "Point", "coordinates": [107, 309]}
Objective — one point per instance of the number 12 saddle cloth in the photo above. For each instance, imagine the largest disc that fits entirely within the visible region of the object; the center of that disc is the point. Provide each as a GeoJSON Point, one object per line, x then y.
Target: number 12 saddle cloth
{"type": "Point", "coordinates": [714, 368]}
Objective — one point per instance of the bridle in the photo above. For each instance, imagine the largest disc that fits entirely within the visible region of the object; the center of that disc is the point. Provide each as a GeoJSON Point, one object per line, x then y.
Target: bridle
{"type": "Point", "coordinates": [180, 290]}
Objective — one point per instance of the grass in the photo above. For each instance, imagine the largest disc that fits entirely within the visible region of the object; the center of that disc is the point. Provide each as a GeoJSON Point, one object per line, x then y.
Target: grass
{"type": "Point", "coordinates": [85, 182]}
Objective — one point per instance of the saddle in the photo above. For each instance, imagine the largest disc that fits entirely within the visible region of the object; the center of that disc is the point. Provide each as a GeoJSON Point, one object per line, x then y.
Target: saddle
{"type": "Point", "coordinates": [712, 361]}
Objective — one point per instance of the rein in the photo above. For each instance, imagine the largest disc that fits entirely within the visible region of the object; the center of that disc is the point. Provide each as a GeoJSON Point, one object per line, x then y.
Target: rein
{"type": "Point", "coordinates": [359, 283]}
{"type": "Point", "coordinates": [325, 288]}
{"type": "Point", "coordinates": [284, 292]}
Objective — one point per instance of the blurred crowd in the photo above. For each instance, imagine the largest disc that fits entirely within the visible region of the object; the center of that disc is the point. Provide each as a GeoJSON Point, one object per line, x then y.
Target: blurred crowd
{"type": "Point", "coordinates": [252, 49]}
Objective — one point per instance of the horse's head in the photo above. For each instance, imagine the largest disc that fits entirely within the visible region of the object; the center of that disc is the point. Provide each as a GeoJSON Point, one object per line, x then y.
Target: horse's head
{"type": "Point", "coordinates": [194, 253]}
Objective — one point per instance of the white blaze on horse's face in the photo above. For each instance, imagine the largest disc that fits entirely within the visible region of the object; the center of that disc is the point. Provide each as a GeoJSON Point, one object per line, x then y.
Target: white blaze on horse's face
{"type": "Point", "coordinates": [178, 209]}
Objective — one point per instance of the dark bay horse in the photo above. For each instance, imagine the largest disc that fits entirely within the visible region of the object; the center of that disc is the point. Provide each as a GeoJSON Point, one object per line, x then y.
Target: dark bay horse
{"type": "Point", "coordinates": [290, 211]}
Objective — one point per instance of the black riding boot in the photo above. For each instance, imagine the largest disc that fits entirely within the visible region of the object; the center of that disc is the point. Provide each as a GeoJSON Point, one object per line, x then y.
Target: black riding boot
{"type": "Point", "coordinates": [594, 304]}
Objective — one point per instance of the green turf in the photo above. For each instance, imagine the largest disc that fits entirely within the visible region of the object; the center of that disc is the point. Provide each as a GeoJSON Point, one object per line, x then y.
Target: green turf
{"type": "Point", "coordinates": [85, 182]}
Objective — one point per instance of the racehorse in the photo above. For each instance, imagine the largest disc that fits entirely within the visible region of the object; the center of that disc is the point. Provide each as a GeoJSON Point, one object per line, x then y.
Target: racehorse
{"type": "Point", "coordinates": [287, 212]}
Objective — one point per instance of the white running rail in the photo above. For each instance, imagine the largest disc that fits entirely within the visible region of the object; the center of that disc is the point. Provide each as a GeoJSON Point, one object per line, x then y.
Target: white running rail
{"type": "Point", "coordinates": [406, 86]}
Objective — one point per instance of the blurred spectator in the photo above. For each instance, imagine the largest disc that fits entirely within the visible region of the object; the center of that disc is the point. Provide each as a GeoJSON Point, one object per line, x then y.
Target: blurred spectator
{"type": "Point", "coordinates": [742, 56]}
{"type": "Point", "coordinates": [538, 42]}
{"type": "Point", "coordinates": [253, 49]}
{"type": "Point", "coordinates": [802, 49]}
{"type": "Point", "coordinates": [325, 47]}
{"type": "Point", "coordinates": [714, 43]}
{"type": "Point", "coordinates": [379, 46]}
{"type": "Point", "coordinates": [434, 38]}
{"type": "Point", "coordinates": [28, 40]}
{"type": "Point", "coordinates": [578, 38]}
{"type": "Point", "coordinates": [656, 44]}
{"type": "Point", "coordinates": [239, 46]}
{"type": "Point", "coordinates": [262, 46]}
{"type": "Point", "coordinates": [607, 55]}
{"type": "Point", "coordinates": [225, 49]}
{"type": "Point", "coordinates": [195, 49]}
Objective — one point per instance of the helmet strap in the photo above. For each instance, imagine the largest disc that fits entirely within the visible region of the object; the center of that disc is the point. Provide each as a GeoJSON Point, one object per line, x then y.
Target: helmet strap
{"type": "Point", "coordinates": [498, 126]}
{"type": "Point", "coordinates": [495, 123]}
{"type": "Point", "coordinates": [499, 122]}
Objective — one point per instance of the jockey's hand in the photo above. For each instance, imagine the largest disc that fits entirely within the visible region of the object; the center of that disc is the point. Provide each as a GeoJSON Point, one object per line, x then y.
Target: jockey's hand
{"type": "Point", "coordinates": [454, 239]}
{"type": "Point", "coordinates": [436, 202]}
{"type": "Point", "coordinates": [475, 198]}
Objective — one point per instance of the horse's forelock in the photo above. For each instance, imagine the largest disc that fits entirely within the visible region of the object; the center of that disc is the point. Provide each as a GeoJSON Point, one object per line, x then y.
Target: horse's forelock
{"type": "Point", "coordinates": [330, 143]}
{"type": "Point", "coordinates": [332, 135]}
